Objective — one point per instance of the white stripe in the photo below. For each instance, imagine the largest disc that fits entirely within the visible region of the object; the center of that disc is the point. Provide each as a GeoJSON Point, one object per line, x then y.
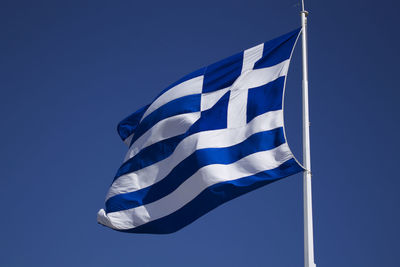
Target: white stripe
{"type": "Point", "coordinates": [237, 108]}
{"type": "Point", "coordinates": [164, 129]}
{"type": "Point", "coordinates": [202, 179]}
{"type": "Point", "coordinates": [189, 87]}
{"type": "Point", "coordinates": [216, 138]}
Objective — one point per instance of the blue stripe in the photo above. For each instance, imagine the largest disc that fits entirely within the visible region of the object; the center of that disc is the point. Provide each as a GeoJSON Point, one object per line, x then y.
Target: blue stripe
{"type": "Point", "coordinates": [128, 125]}
{"type": "Point", "coordinates": [261, 141]}
{"type": "Point", "coordinates": [277, 50]}
{"type": "Point", "coordinates": [186, 104]}
{"type": "Point", "coordinates": [222, 73]}
{"type": "Point", "coordinates": [213, 197]}
{"type": "Point", "coordinates": [265, 98]}
{"type": "Point", "coordinates": [150, 155]}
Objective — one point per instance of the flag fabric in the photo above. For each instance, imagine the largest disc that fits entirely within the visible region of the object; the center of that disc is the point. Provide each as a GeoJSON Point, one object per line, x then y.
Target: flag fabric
{"type": "Point", "coordinates": [210, 137]}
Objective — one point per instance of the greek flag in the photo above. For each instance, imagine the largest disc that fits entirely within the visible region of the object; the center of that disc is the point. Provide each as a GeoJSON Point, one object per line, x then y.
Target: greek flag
{"type": "Point", "coordinates": [210, 137]}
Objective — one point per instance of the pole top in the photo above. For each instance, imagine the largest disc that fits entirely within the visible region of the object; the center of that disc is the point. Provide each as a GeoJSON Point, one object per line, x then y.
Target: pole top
{"type": "Point", "coordinates": [305, 12]}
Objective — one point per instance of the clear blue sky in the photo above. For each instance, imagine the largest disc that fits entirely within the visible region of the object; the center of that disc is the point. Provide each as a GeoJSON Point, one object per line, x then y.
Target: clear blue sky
{"type": "Point", "coordinates": [71, 70]}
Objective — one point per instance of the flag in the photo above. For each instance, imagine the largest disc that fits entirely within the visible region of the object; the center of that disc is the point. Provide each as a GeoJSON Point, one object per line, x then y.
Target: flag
{"type": "Point", "coordinates": [210, 137]}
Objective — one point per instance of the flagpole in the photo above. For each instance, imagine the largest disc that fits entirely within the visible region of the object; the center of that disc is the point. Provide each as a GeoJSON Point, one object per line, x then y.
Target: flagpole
{"type": "Point", "coordinates": [308, 219]}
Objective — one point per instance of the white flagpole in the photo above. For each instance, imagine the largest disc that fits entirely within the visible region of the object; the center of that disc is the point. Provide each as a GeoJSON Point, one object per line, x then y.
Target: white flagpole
{"type": "Point", "coordinates": [308, 219]}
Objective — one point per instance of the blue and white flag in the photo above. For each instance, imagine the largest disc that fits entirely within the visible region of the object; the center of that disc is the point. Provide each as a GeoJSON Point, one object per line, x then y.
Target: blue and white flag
{"type": "Point", "coordinates": [210, 137]}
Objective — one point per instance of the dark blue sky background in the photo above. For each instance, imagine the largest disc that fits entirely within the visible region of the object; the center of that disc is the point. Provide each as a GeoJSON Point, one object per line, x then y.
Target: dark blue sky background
{"type": "Point", "coordinates": [71, 70]}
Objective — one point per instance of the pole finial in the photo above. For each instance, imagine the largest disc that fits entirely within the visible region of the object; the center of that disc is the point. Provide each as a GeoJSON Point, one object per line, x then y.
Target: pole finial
{"type": "Point", "coordinates": [305, 12]}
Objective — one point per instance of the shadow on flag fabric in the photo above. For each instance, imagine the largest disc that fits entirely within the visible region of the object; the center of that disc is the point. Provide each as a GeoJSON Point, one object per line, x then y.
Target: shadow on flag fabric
{"type": "Point", "coordinates": [208, 138]}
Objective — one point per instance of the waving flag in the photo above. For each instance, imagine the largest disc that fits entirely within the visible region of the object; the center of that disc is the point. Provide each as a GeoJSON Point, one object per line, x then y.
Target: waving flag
{"type": "Point", "coordinates": [208, 138]}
